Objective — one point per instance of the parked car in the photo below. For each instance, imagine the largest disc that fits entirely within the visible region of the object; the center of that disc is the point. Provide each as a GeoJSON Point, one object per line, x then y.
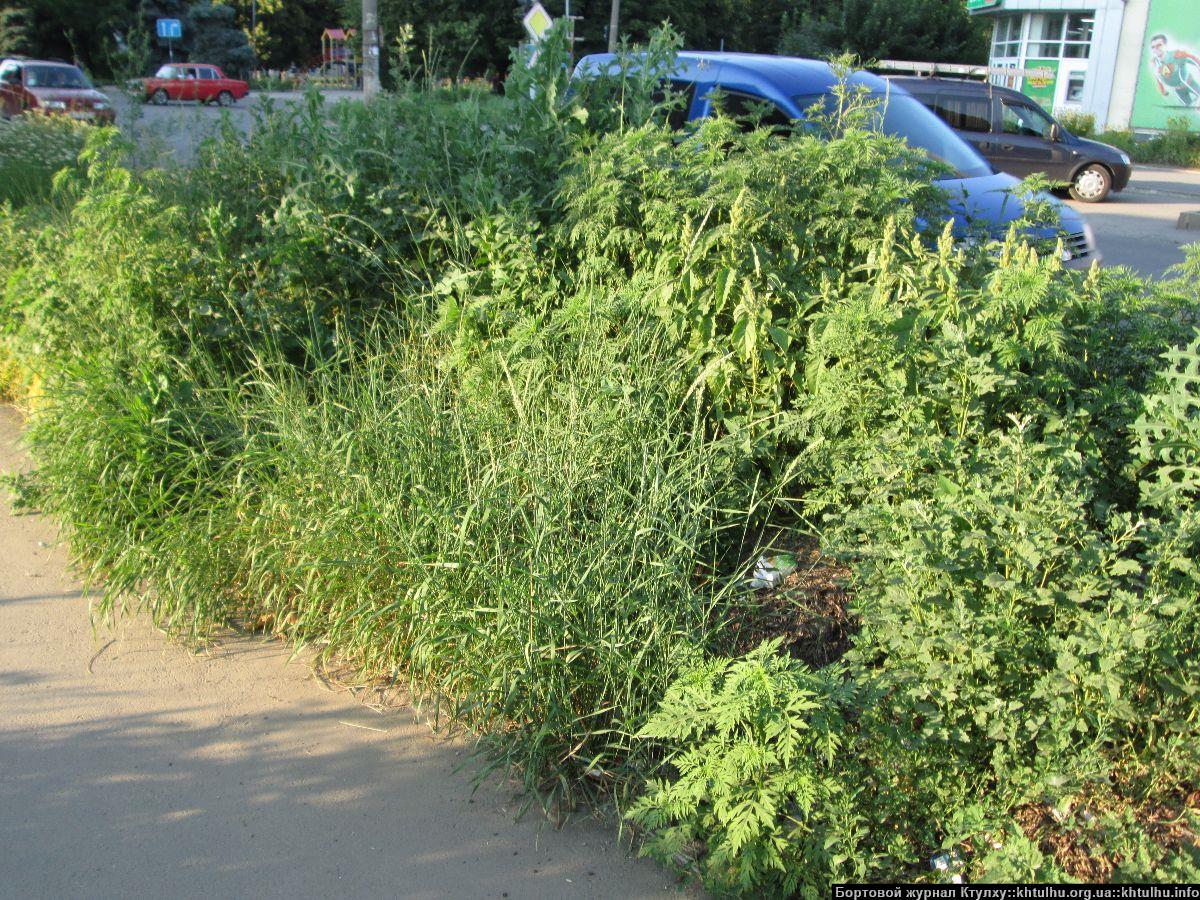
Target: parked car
{"type": "Point", "coordinates": [783, 89]}
{"type": "Point", "coordinates": [1017, 136]}
{"type": "Point", "coordinates": [198, 82]}
{"type": "Point", "coordinates": [53, 88]}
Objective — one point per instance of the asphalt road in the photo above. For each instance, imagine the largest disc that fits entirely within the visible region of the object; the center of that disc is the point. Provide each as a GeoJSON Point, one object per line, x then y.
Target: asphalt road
{"type": "Point", "coordinates": [131, 766]}
{"type": "Point", "coordinates": [170, 134]}
{"type": "Point", "coordinates": [1136, 228]}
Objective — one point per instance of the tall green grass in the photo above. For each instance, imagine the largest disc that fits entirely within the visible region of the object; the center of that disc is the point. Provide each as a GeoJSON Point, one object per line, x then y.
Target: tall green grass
{"type": "Point", "coordinates": [32, 150]}
{"type": "Point", "coordinates": [537, 557]}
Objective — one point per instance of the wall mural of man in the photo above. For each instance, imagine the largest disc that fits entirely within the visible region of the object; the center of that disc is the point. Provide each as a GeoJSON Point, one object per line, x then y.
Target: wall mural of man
{"type": "Point", "coordinates": [1176, 71]}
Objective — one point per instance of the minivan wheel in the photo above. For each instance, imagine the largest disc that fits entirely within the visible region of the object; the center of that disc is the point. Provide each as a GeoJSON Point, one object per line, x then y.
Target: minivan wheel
{"type": "Point", "coordinates": [1092, 184]}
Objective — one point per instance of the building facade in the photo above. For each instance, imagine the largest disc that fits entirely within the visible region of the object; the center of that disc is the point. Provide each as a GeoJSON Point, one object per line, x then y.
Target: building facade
{"type": "Point", "coordinates": [1130, 63]}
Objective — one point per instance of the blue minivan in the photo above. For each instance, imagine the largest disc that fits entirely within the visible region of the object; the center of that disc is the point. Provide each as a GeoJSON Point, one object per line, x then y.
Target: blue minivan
{"type": "Point", "coordinates": [790, 86]}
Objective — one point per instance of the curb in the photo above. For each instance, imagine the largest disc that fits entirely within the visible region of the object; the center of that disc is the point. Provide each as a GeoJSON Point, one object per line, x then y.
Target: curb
{"type": "Point", "coordinates": [1188, 221]}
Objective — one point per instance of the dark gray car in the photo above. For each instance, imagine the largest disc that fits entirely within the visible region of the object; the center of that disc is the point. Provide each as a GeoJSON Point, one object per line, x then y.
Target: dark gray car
{"type": "Point", "coordinates": [1017, 136]}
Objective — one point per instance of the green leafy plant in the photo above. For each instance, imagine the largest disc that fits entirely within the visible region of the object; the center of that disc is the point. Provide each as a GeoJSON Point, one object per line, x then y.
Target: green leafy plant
{"type": "Point", "coordinates": [754, 742]}
{"type": "Point", "coordinates": [1169, 431]}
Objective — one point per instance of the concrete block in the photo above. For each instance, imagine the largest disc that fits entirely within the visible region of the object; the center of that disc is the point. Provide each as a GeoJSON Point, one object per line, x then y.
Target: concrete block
{"type": "Point", "coordinates": [1189, 221]}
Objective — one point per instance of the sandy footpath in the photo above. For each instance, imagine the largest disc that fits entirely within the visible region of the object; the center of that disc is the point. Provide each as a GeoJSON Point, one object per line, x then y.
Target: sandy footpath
{"type": "Point", "coordinates": [133, 767]}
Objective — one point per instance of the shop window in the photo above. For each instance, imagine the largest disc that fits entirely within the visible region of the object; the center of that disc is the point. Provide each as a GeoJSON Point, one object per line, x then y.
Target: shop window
{"type": "Point", "coordinates": [1008, 81]}
{"type": "Point", "coordinates": [1006, 37]}
{"type": "Point", "coordinates": [1047, 35]}
{"type": "Point", "coordinates": [1056, 35]}
{"type": "Point", "coordinates": [1077, 43]}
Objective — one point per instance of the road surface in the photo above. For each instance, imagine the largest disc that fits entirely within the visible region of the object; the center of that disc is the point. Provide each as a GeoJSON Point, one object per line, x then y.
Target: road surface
{"type": "Point", "coordinates": [1136, 227]}
{"type": "Point", "coordinates": [170, 134]}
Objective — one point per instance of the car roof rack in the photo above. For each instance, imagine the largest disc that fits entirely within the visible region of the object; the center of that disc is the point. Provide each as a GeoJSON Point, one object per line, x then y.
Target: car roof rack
{"type": "Point", "coordinates": [963, 70]}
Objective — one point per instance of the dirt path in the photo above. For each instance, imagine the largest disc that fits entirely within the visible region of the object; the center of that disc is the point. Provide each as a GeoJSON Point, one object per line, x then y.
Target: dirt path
{"type": "Point", "coordinates": [130, 766]}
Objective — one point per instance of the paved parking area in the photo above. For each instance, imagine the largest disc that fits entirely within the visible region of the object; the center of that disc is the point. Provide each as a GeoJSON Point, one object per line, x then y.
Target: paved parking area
{"type": "Point", "coordinates": [171, 133]}
{"type": "Point", "coordinates": [1136, 227]}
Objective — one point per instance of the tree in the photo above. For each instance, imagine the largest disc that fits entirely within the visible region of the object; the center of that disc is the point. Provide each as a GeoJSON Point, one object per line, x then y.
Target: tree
{"type": "Point", "coordinates": [925, 30]}
{"type": "Point", "coordinates": [473, 36]}
{"type": "Point", "coordinates": [216, 39]}
{"type": "Point", "coordinates": [288, 32]}
{"type": "Point", "coordinates": [704, 24]}
{"type": "Point", "coordinates": [470, 36]}
{"type": "Point", "coordinates": [76, 29]}
{"type": "Point", "coordinates": [15, 32]}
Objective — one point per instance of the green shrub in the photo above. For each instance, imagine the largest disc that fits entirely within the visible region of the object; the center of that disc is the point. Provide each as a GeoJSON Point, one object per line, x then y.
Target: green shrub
{"type": "Point", "coordinates": [1079, 124]}
{"type": "Point", "coordinates": [1028, 624]}
{"type": "Point", "coordinates": [756, 742]}
{"type": "Point", "coordinates": [1178, 145]}
{"type": "Point", "coordinates": [32, 149]}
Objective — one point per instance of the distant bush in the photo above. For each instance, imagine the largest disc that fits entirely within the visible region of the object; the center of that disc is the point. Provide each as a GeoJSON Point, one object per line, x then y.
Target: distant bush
{"type": "Point", "coordinates": [1078, 123]}
{"type": "Point", "coordinates": [1177, 146]}
{"type": "Point", "coordinates": [32, 149]}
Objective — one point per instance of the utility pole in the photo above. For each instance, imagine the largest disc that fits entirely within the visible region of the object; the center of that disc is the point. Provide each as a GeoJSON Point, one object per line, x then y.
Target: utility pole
{"type": "Point", "coordinates": [370, 45]}
{"type": "Point", "coordinates": [614, 24]}
{"type": "Point", "coordinates": [571, 20]}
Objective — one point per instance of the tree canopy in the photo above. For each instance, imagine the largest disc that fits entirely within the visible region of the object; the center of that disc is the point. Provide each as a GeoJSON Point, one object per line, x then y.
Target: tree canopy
{"type": "Point", "coordinates": [927, 30]}
{"type": "Point", "coordinates": [473, 36]}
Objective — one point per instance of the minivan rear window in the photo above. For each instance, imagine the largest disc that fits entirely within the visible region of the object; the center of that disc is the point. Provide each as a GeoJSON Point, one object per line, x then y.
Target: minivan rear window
{"type": "Point", "coordinates": [752, 112]}
{"type": "Point", "coordinates": [964, 112]}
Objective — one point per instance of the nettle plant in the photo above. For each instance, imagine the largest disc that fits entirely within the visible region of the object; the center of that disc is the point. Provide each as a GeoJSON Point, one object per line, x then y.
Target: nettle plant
{"type": "Point", "coordinates": [710, 234]}
{"type": "Point", "coordinates": [1029, 624]}
{"type": "Point", "coordinates": [1168, 432]}
{"type": "Point", "coordinates": [758, 805]}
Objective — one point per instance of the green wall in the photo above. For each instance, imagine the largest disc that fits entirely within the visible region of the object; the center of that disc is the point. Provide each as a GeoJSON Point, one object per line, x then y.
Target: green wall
{"type": "Point", "coordinates": [1168, 84]}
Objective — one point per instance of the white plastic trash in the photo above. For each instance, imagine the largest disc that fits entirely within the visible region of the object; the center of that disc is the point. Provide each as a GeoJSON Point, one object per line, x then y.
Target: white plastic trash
{"type": "Point", "coordinates": [770, 571]}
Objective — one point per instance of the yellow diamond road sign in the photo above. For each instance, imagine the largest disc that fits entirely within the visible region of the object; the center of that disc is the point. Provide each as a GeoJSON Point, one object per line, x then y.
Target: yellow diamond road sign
{"type": "Point", "coordinates": [537, 21]}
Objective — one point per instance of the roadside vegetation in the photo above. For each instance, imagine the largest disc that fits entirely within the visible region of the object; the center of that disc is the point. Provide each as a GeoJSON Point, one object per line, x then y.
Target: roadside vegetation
{"type": "Point", "coordinates": [32, 151]}
{"type": "Point", "coordinates": [505, 398]}
{"type": "Point", "coordinates": [1177, 146]}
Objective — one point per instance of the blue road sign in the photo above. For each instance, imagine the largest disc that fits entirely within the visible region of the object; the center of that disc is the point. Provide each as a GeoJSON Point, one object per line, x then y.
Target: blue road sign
{"type": "Point", "coordinates": [170, 28]}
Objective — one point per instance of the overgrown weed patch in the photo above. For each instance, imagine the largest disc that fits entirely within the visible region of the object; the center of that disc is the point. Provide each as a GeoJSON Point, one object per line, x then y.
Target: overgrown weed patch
{"type": "Point", "coordinates": [501, 400]}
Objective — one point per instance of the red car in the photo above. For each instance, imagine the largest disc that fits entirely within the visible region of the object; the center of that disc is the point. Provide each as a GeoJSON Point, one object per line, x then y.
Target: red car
{"type": "Point", "coordinates": [56, 88]}
{"type": "Point", "coordinates": [199, 82]}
